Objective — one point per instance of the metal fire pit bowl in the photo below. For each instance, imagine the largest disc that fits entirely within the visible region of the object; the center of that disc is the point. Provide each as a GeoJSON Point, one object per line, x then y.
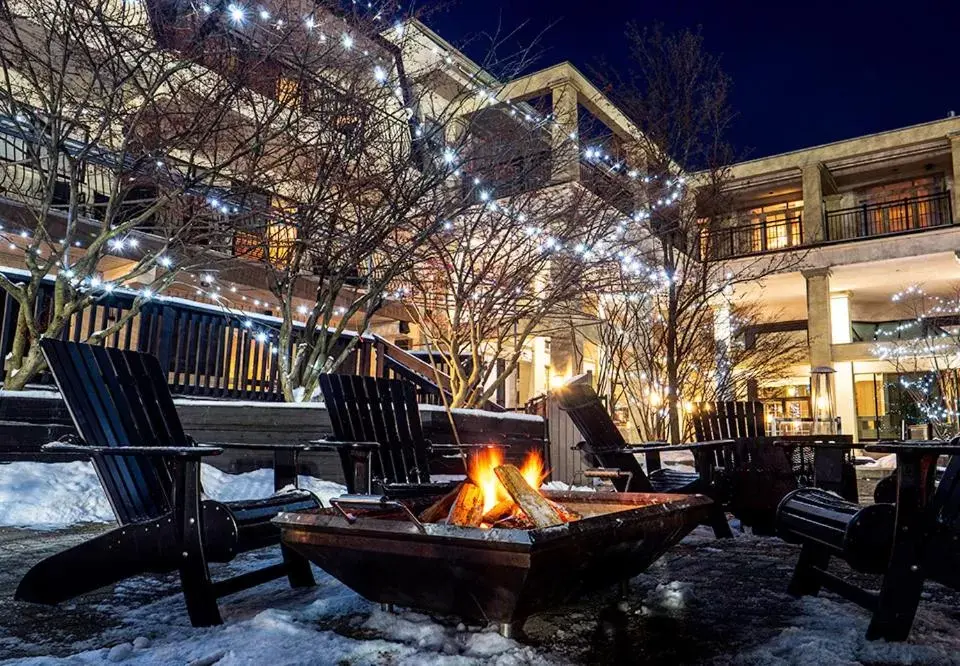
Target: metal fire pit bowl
{"type": "Point", "coordinates": [493, 575]}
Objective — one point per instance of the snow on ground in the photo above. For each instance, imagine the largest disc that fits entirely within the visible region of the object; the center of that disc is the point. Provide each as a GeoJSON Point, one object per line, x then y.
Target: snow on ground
{"type": "Point", "coordinates": [56, 495]}
{"type": "Point", "coordinates": [830, 632]}
{"type": "Point", "coordinates": [274, 625]}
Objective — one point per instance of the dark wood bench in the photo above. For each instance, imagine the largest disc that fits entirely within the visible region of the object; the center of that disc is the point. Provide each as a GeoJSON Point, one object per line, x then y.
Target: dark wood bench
{"type": "Point", "coordinates": [907, 542]}
{"type": "Point", "coordinates": [379, 436]}
{"type": "Point", "coordinates": [606, 451]}
{"type": "Point", "coordinates": [121, 406]}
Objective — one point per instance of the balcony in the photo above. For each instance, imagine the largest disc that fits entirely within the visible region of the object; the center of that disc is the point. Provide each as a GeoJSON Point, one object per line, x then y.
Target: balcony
{"type": "Point", "coordinates": [745, 240]}
{"type": "Point", "coordinates": [887, 218]}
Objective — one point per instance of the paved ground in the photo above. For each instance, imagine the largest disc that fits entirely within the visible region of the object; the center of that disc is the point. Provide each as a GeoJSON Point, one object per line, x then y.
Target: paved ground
{"type": "Point", "coordinates": [706, 601]}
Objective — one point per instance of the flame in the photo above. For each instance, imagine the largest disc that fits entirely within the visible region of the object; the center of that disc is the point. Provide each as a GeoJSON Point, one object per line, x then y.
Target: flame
{"type": "Point", "coordinates": [482, 465]}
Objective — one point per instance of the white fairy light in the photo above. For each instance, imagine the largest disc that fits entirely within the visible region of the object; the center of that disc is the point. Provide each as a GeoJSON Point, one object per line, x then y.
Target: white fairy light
{"type": "Point", "coordinates": [237, 13]}
{"type": "Point", "coordinates": [347, 41]}
{"type": "Point", "coordinates": [165, 261]}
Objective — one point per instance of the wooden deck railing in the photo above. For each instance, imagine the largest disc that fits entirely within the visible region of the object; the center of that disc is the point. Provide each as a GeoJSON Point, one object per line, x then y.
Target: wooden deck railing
{"type": "Point", "coordinates": [209, 352]}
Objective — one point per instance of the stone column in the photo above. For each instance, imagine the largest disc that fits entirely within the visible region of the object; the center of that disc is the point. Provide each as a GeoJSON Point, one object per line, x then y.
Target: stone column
{"type": "Point", "coordinates": [819, 331]}
{"type": "Point", "coordinates": [812, 204]}
{"type": "Point", "coordinates": [955, 185]}
{"type": "Point", "coordinates": [565, 151]}
{"type": "Point", "coordinates": [845, 395]}
{"type": "Point", "coordinates": [722, 339]}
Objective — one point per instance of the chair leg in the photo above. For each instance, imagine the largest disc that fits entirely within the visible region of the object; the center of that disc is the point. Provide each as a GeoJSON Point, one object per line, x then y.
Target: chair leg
{"type": "Point", "coordinates": [806, 579]}
{"type": "Point", "coordinates": [897, 605]}
{"type": "Point", "coordinates": [718, 521]}
{"type": "Point", "coordinates": [198, 590]}
{"type": "Point", "coordinates": [298, 568]}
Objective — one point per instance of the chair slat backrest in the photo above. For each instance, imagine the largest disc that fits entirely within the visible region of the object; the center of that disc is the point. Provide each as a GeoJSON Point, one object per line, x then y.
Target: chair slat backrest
{"type": "Point", "coordinates": [727, 419]}
{"type": "Point", "coordinates": [587, 412]}
{"type": "Point", "coordinates": [109, 409]}
{"type": "Point", "coordinates": [384, 411]}
{"type": "Point", "coordinates": [603, 445]}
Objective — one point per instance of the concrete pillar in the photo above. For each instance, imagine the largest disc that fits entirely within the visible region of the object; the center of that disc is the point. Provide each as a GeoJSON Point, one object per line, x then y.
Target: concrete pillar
{"type": "Point", "coordinates": [540, 365]}
{"type": "Point", "coordinates": [565, 151]}
{"type": "Point", "coordinates": [722, 328]}
{"type": "Point", "coordinates": [844, 390]}
{"type": "Point", "coordinates": [819, 330]}
{"type": "Point", "coordinates": [955, 185]}
{"type": "Point", "coordinates": [812, 203]}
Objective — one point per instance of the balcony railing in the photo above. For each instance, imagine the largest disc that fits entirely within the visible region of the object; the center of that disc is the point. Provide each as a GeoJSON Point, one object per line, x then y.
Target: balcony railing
{"type": "Point", "coordinates": [754, 238]}
{"type": "Point", "coordinates": [893, 217]}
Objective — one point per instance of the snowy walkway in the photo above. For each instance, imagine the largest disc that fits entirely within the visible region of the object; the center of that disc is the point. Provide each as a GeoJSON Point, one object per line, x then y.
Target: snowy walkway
{"type": "Point", "coordinates": [705, 601]}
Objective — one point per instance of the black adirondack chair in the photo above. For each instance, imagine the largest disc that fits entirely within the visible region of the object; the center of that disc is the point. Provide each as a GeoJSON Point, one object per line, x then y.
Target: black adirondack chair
{"type": "Point", "coordinates": [150, 470]}
{"type": "Point", "coordinates": [758, 470]}
{"type": "Point", "coordinates": [910, 541]}
{"type": "Point", "coordinates": [605, 450]}
{"type": "Point", "coordinates": [376, 423]}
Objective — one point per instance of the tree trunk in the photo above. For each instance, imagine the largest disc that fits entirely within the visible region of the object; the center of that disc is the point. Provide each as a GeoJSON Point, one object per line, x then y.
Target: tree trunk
{"type": "Point", "coordinates": [29, 367]}
{"type": "Point", "coordinates": [672, 397]}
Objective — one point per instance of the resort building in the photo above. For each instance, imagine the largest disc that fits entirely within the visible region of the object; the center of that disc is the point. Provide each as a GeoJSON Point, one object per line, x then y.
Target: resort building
{"type": "Point", "coordinates": [859, 220]}
{"type": "Point", "coordinates": [865, 219]}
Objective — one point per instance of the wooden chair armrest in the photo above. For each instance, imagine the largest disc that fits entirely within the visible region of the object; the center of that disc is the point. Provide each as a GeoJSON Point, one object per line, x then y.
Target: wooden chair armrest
{"type": "Point", "coordinates": [916, 446]}
{"type": "Point", "coordinates": [687, 446]}
{"type": "Point", "coordinates": [333, 445]}
{"type": "Point", "coordinates": [299, 446]}
{"type": "Point", "coordinates": [195, 452]}
{"type": "Point", "coordinates": [460, 447]}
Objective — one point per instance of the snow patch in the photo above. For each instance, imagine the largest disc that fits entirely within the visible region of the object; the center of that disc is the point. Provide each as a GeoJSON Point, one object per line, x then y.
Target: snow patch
{"type": "Point", "coordinates": [49, 496]}
{"type": "Point", "coordinates": [673, 596]}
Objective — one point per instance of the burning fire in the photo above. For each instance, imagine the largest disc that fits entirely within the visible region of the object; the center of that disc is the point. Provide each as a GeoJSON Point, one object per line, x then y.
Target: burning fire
{"type": "Point", "coordinates": [482, 466]}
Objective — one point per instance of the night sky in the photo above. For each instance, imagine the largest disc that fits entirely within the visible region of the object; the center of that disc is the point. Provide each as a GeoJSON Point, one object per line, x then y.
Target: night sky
{"type": "Point", "coordinates": [830, 71]}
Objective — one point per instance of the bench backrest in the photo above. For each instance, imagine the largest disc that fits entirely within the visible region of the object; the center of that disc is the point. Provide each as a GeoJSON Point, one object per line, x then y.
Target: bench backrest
{"type": "Point", "coordinates": [368, 409]}
{"type": "Point", "coordinates": [727, 419]}
{"type": "Point", "coordinates": [603, 445]}
{"type": "Point", "coordinates": [120, 398]}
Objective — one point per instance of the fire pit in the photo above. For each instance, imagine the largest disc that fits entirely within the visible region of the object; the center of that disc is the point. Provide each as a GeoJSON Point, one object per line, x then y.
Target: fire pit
{"type": "Point", "coordinates": [384, 552]}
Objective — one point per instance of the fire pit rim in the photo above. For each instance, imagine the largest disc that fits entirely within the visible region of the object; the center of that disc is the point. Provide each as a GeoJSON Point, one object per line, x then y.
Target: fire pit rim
{"type": "Point", "coordinates": [502, 538]}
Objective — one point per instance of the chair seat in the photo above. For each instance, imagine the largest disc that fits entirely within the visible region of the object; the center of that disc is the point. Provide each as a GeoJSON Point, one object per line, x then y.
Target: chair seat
{"type": "Point", "coordinates": [670, 481]}
{"type": "Point", "coordinates": [417, 490]}
{"type": "Point", "coordinates": [253, 517]}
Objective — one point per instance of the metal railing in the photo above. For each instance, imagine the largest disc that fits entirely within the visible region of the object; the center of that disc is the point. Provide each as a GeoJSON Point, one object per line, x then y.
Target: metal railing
{"type": "Point", "coordinates": [890, 217]}
{"type": "Point", "coordinates": [754, 238]}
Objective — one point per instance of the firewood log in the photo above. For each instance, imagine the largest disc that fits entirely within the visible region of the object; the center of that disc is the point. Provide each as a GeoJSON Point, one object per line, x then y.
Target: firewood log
{"type": "Point", "coordinates": [441, 508]}
{"type": "Point", "coordinates": [531, 502]}
{"type": "Point", "coordinates": [500, 510]}
{"type": "Point", "coordinates": [467, 508]}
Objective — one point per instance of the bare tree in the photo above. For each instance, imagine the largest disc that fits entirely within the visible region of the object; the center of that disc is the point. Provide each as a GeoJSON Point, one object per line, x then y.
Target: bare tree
{"type": "Point", "coordinates": [122, 138]}
{"type": "Point", "coordinates": [634, 371]}
{"type": "Point", "coordinates": [677, 94]}
{"type": "Point", "coordinates": [924, 350]}
{"type": "Point", "coordinates": [506, 272]}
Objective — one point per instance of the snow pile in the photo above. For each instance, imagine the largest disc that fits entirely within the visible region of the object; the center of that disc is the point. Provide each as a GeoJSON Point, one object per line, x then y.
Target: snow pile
{"type": "Point", "coordinates": [566, 487]}
{"type": "Point", "coordinates": [828, 632]}
{"type": "Point", "coordinates": [55, 495]}
{"type": "Point", "coordinates": [50, 496]}
{"type": "Point", "coordinates": [886, 462]}
{"type": "Point", "coordinates": [670, 597]}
